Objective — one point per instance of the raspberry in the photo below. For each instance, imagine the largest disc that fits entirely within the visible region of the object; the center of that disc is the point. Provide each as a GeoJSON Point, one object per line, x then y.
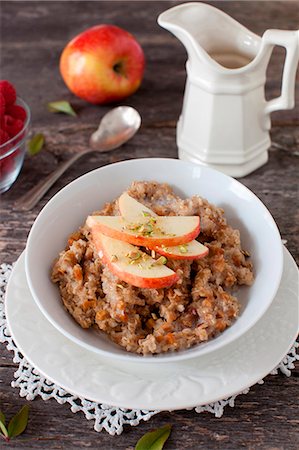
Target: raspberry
{"type": "Point", "coordinates": [16, 111]}
{"type": "Point", "coordinates": [12, 126]}
{"type": "Point", "coordinates": [4, 137]}
{"type": "Point", "coordinates": [8, 121]}
{"type": "Point", "coordinates": [2, 105]}
{"type": "Point", "coordinates": [8, 92]}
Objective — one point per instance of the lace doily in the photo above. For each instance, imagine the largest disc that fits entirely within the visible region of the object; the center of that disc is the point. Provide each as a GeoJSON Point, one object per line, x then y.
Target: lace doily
{"type": "Point", "coordinates": [109, 418]}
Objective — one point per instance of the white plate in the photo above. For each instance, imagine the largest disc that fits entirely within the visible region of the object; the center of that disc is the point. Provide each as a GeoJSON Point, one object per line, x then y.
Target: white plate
{"type": "Point", "coordinates": [67, 210]}
{"type": "Point", "coordinates": [183, 384]}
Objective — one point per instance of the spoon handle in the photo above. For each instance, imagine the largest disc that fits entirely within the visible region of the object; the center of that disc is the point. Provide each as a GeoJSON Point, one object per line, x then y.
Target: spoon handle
{"type": "Point", "coordinates": [30, 199]}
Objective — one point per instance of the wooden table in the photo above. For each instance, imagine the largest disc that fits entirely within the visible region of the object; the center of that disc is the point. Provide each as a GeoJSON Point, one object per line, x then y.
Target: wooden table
{"type": "Point", "coordinates": [33, 36]}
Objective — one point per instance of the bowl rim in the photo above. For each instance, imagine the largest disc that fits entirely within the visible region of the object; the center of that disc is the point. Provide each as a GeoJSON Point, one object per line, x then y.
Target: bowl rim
{"type": "Point", "coordinates": [14, 141]}
{"type": "Point", "coordinates": [167, 357]}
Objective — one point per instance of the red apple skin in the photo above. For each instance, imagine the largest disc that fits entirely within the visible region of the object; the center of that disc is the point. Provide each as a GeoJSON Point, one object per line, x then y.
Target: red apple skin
{"type": "Point", "coordinates": [145, 241]}
{"type": "Point", "coordinates": [150, 283]}
{"type": "Point", "coordinates": [103, 64]}
{"type": "Point", "coordinates": [183, 256]}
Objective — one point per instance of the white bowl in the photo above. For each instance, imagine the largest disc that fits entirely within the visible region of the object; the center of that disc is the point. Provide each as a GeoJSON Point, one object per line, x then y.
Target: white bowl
{"type": "Point", "coordinates": [67, 210]}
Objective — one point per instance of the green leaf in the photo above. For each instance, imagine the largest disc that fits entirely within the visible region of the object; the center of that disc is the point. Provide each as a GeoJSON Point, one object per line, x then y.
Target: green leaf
{"type": "Point", "coordinates": [19, 422]}
{"type": "Point", "coordinates": [2, 417]}
{"type": "Point", "coordinates": [3, 429]}
{"type": "Point", "coordinates": [2, 425]}
{"type": "Point", "coordinates": [154, 440]}
{"type": "Point", "coordinates": [61, 107]}
{"type": "Point", "coordinates": [36, 144]}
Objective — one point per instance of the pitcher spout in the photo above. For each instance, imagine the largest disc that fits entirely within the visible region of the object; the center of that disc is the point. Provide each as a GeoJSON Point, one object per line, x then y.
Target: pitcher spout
{"type": "Point", "coordinates": [209, 35]}
{"type": "Point", "coordinates": [178, 21]}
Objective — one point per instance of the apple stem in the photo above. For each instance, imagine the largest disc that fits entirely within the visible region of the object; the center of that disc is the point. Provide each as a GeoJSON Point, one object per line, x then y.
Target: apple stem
{"type": "Point", "coordinates": [118, 68]}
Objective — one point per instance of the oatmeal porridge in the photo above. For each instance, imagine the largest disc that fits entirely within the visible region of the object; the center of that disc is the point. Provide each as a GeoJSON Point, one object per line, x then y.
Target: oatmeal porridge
{"type": "Point", "coordinates": [191, 301]}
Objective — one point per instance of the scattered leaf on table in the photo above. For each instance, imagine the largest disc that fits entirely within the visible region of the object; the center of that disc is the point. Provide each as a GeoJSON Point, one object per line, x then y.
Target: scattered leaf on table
{"type": "Point", "coordinates": [154, 440]}
{"type": "Point", "coordinates": [2, 417]}
{"type": "Point", "coordinates": [18, 423]}
{"type": "Point", "coordinates": [3, 430]}
{"type": "Point", "coordinates": [61, 107]}
{"type": "Point", "coordinates": [36, 144]}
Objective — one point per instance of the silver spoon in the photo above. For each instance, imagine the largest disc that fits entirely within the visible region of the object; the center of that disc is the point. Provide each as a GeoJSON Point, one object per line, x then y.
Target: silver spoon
{"type": "Point", "coordinates": [117, 127]}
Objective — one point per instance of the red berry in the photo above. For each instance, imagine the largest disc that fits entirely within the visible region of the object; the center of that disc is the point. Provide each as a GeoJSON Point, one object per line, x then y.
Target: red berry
{"type": "Point", "coordinates": [2, 105]}
{"type": "Point", "coordinates": [16, 111]}
{"type": "Point", "coordinates": [8, 121]}
{"type": "Point", "coordinates": [4, 136]}
{"type": "Point", "coordinates": [8, 92]}
{"type": "Point", "coordinates": [12, 126]}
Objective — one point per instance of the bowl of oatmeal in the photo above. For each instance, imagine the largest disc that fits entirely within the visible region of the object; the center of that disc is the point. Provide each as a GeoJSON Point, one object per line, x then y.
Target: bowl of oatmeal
{"type": "Point", "coordinates": [108, 282]}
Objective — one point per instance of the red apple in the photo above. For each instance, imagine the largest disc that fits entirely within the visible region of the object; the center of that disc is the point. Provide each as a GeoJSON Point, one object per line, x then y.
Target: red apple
{"type": "Point", "coordinates": [103, 64]}
{"type": "Point", "coordinates": [132, 265]}
{"type": "Point", "coordinates": [147, 232]}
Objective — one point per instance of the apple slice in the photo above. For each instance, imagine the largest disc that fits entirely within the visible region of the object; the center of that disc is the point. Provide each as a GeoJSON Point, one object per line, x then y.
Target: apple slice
{"type": "Point", "coordinates": [132, 265]}
{"type": "Point", "coordinates": [148, 231]}
{"type": "Point", "coordinates": [191, 250]}
{"type": "Point", "coordinates": [133, 210]}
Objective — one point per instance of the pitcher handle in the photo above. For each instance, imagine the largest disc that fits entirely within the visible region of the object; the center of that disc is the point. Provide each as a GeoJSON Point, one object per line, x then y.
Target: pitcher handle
{"type": "Point", "coordinates": [290, 41]}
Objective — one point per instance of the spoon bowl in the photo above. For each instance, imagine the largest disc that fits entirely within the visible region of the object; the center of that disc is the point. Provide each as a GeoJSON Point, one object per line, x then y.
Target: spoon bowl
{"type": "Point", "coordinates": [116, 127]}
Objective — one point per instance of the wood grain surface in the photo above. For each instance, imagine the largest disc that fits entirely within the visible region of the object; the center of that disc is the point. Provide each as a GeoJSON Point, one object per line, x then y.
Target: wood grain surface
{"type": "Point", "coordinates": [33, 35]}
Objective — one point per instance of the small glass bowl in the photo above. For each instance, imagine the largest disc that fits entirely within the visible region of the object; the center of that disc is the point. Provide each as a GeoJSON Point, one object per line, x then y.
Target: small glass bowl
{"type": "Point", "coordinates": [12, 153]}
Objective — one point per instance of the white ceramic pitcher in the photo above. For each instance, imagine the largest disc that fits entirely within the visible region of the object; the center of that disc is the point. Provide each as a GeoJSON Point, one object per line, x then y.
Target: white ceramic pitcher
{"type": "Point", "coordinates": [225, 119]}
